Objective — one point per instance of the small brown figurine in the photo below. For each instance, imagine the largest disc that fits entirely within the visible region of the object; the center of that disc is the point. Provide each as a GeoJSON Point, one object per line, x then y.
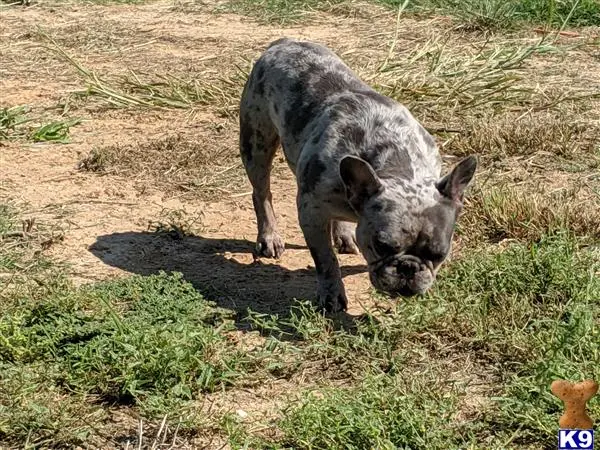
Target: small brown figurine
{"type": "Point", "coordinates": [575, 396]}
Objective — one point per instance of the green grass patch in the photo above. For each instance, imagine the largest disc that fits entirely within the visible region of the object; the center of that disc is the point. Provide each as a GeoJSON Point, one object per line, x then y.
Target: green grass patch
{"type": "Point", "coordinates": [385, 412]}
{"type": "Point", "coordinates": [152, 343]}
{"type": "Point", "coordinates": [512, 320]}
{"type": "Point", "coordinates": [67, 354]}
{"type": "Point", "coordinates": [500, 325]}
{"type": "Point", "coordinates": [280, 11]}
{"type": "Point", "coordinates": [472, 14]}
{"type": "Point", "coordinates": [503, 14]}
{"type": "Point", "coordinates": [131, 341]}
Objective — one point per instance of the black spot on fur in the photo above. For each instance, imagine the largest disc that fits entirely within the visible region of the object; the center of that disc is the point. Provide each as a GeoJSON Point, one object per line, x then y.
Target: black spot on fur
{"type": "Point", "coordinates": [297, 121]}
{"type": "Point", "coordinates": [389, 207]}
{"type": "Point", "coordinates": [352, 139]}
{"type": "Point", "coordinates": [328, 83]}
{"type": "Point", "coordinates": [410, 189]}
{"type": "Point", "coordinates": [377, 207]}
{"type": "Point", "coordinates": [389, 160]}
{"type": "Point", "coordinates": [260, 87]}
{"type": "Point", "coordinates": [300, 114]}
{"type": "Point", "coordinates": [276, 108]}
{"type": "Point", "coordinates": [311, 174]}
{"type": "Point", "coordinates": [334, 115]}
{"type": "Point", "coordinates": [354, 134]}
{"type": "Point", "coordinates": [320, 84]}
{"type": "Point", "coordinates": [259, 141]}
{"type": "Point", "coordinates": [383, 146]}
{"type": "Point", "coordinates": [246, 132]}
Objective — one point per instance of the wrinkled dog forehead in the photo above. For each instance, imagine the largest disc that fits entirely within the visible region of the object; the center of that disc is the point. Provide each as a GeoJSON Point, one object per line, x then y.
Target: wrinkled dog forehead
{"type": "Point", "coordinates": [405, 205]}
{"type": "Point", "coordinates": [405, 227]}
{"type": "Point", "coordinates": [393, 223]}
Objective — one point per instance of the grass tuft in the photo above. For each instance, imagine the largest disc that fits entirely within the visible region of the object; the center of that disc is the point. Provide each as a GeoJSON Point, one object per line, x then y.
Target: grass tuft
{"type": "Point", "coordinates": [164, 91]}
{"type": "Point", "coordinates": [527, 214]}
{"type": "Point", "coordinates": [500, 15]}
{"type": "Point", "coordinates": [10, 120]}
{"type": "Point", "coordinates": [381, 412]}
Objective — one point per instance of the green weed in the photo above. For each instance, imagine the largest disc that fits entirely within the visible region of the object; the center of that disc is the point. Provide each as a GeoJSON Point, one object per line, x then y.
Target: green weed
{"type": "Point", "coordinates": [57, 131]}
{"type": "Point", "coordinates": [503, 14]}
{"type": "Point", "coordinates": [11, 120]}
{"type": "Point", "coordinates": [15, 124]}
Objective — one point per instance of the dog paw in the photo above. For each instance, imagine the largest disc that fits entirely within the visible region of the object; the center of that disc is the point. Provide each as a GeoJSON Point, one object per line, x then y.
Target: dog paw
{"type": "Point", "coordinates": [269, 246]}
{"type": "Point", "coordinates": [345, 244]}
{"type": "Point", "coordinates": [344, 237]}
{"type": "Point", "coordinates": [333, 302]}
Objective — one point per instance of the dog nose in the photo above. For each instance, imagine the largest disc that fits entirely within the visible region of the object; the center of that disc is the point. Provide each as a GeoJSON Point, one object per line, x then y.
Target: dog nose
{"type": "Point", "coordinates": [407, 268]}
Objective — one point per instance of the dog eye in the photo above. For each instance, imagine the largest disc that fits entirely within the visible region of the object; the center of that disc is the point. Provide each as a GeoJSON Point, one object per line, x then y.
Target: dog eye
{"type": "Point", "coordinates": [382, 248]}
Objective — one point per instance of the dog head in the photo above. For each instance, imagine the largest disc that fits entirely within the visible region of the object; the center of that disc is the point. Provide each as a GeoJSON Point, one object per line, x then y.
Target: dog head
{"type": "Point", "coordinates": [405, 237]}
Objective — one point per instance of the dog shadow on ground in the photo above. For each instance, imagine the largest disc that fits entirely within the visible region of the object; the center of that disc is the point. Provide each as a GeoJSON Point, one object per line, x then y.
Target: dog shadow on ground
{"type": "Point", "coordinates": [211, 266]}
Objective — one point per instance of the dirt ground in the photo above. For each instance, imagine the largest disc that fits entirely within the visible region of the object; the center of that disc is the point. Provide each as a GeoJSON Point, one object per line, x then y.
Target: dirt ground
{"type": "Point", "coordinates": [105, 217]}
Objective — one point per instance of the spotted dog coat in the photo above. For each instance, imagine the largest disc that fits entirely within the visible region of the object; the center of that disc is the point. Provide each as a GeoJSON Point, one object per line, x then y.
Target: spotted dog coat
{"type": "Point", "coordinates": [359, 158]}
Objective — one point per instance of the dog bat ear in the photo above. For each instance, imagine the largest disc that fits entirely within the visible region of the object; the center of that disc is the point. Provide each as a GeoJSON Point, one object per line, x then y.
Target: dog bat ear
{"type": "Point", "coordinates": [360, 180]}
{"type": "Point", "coordinates": [454, 184]}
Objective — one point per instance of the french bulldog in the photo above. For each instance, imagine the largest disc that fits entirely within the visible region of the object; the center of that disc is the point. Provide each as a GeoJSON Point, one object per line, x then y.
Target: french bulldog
{"type": "Point", "coordinates": [368, 174]}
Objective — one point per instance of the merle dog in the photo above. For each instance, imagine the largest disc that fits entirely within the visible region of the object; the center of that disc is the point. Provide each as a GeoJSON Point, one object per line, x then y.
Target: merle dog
{"type": "Point", "coordinates": [359, 157]}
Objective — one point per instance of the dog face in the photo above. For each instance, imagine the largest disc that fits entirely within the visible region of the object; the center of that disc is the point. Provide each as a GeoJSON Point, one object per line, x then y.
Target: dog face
{"type": "Point", "coordinates": [404, 239]}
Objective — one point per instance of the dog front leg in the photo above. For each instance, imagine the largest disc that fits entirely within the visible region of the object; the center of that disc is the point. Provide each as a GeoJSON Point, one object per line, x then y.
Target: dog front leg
{"type": "Point", "coordinates": [317, 233]}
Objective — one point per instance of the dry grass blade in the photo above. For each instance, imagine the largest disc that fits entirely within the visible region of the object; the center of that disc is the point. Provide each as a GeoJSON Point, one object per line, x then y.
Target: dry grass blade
{"type": "Point", "coordinates": [458, 84]}
{"type": "Point", "coordinates": [167, 91]}
{"type": "Point", "coordinates": [207, 168]}
{"type": "Point", "coordinates": [504, 212]}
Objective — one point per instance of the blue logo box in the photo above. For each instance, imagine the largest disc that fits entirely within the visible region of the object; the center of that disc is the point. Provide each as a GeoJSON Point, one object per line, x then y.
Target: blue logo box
{"type": "Point", "coordinates": [575, 439]}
